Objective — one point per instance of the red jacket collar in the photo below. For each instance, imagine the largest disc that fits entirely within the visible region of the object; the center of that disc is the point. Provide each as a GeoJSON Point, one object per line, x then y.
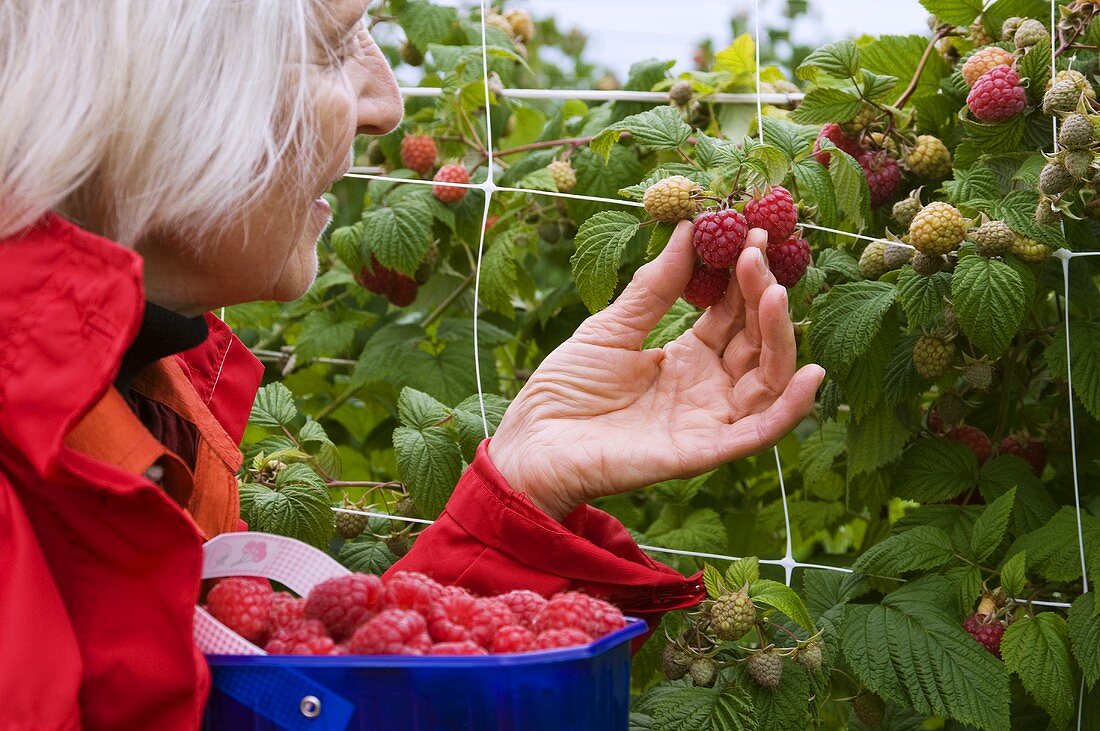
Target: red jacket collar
{"type": "Point", "coordinates": [70, 305]}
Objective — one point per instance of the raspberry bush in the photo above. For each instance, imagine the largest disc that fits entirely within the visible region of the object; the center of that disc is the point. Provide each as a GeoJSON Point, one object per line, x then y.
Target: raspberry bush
{"type": "Point", "coordinates": [936, 465]}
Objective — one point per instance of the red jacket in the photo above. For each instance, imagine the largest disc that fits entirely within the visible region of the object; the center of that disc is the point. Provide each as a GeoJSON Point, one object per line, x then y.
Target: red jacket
{"type": "Point", "coordinates": [99, 568]}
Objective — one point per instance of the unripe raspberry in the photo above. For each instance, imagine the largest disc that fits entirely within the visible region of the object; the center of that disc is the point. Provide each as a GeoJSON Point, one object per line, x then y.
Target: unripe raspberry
{"type": "Point", "coordinates": [453, 173]}
{"type": "Point", "coordinates": [978, 375]}
{"type": "Point", "coordinates": [789, 260]}
{"type": "Point", "coordinates": [1054, 179]}
{"type": "Point", "coordinates": [1008, 28]}
{"type": "Point", "coordinates": [707, 286]}
{"type": "Point", "coordinates": [1047, 212]}
{"type": "Point", "coordinates": [375, 154]}
{"type": "Point", "coordinates": [1030, 32]}
{"type": "Point", "coordinates": [765, 668]}
{"type": "Point", "coordinates": [997, 95]}
{"type": "Point", "coordinates": [732, 616]}
{"type": "Point", "coordinates": [950, 410]}
{"type": "Point", "coordinates": [704, 671]}
{"type": "Point", "coordinates": [896, 256]}
{"type": "Point", "coordinates": [869, 709]}
{"type": "Point", "coordinates": [872, 262]}
{"type": "Point", "coordinates": [501, 23]}
{"type": "Point", "coordinates": [929, 158]}
{"type": "Point", "coordinates": [1076, 132]}
{"type": "Point", "coordinates": [522, 24]}
{"type": "Point", "coordinates": [809, 656]}
{"type": "Point", "coordinates": [565, 177]}
{"type": "Point", "coordinates": [905, 210]}
{"type": "Point", "coordinates": [1030, 250]}
{"type": "Point", "coordinates": [411, 55]}
{"type": "Point", "coordinates": [681, 93]}
{"type": "Point", "coordinates": [867, 114]}
{"type": "Point", "coordinates": [1078, 163]}
{"type": "Point", "coordinates": [671, 199]}
{"type": "Point", "coordinates": [882, 141]}
{"type": "Point", "coordinates": [927, 264]}
{"type": "Point", "coordinates": [675, 661]}
{"type": "Point", "coordinates": [932, 357]}
{"type": "Point", "coordinates": [983, 60]}
{"type": "Point", "coordinates": [350, 525]}
{"type": "Point", "coordinates": [773, 211]}
{"type": "Point", "coordinates": [418, 152]}
{"type": "Point", "coordinates": [993, 238]}
{"type": "Point", "coordinates": [938, 228]}
{"type": "Point", "coordinates": [977, 34]}
{"type": "Point", "coordinates": [836, 135]}
{"type": "Point", "coordinates": [718, 237]}
{"type": "Point", "coordinates": [1062, 97]}
{"type": "Point", "coordinates": [1079, 80]}
{"type": "Point", "coordinates": [882, 173]}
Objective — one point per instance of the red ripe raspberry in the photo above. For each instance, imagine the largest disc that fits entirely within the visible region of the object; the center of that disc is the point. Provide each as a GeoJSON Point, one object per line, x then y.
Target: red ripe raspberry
{"type": "Point", "coordinates": [392, 632]}
{"type": "Point", "coordinates": [774, 212]}
{"type": "Point", "coordinates": [489, 616]}
{"type": "Point", "coordinates": [883, 175]}
{"type": "Point", "coordinates": [458, 617]}
{"type": "Point", "coordinates": [974, 438]}
{"type": "Point", "coordinates": [834, 134]}
{"type": "Point", "coordinates": [574, 610]}
{"type": "Point", "coordinates": [491, 221]}
{"type": "Point", "coordinates": [300, 637]}
{"type": "Point", "coordinates": [554, 638]}
{"type": "Point", "coordinates": [997, 95]}
{"type": "Point", "coordinates": [410, 590]}
{"type": "Point", "coordinates": [788, 260]}
{"type": "Point", "coordinates": [243, 605]}
{"type": "Point", "coordinates": [718, 237]}
{"type": "Point", "coordinates": [525, 604]}
{"type": "Point", "coordinates": [418, 153]}
{"type": "Point", "coordinates": [285, 609]}
{"type": "Point", "coordinates": [394, 286]}
{"type": "Point", "coordinates": [1031, 450]}
{"type": "Point", "coordinates": [344, 603]}
{"type": "Point", "coordinates": [452, 173]}
{"type": "Point", "coordinates": [340, 650]}
{"type": "Point", "coordinates": [935, 423]}
{"type": "Point", "coordinates": [986, 630]}
{"type": "Point", "coordinates": [514, 638]}
{"type": "Point", "coordinates": [403, 290]}
{"type": "Point", "coordinates": [707, 286]}
{"type": "Point", "coordinates": [466, 647]}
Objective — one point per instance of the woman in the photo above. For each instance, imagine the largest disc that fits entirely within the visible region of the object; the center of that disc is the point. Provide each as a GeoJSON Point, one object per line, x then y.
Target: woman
{"type": "Point", "coordinates": [159, 160]}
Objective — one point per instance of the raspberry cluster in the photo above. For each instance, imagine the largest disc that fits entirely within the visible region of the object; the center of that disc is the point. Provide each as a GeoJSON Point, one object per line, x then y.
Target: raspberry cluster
{"type": "Point", "coordinates": [407, 613]}
{"type": "Point", "coordinates": [398, 288]}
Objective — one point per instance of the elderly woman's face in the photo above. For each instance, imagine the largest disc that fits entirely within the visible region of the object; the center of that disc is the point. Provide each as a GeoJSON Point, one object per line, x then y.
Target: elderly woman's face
{"type": "Point", "coordinates": [269, 252]}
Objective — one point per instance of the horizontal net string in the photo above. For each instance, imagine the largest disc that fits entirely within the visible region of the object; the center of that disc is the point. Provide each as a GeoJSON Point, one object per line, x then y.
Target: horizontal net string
{"type": "Point", "coordinates": [613, 95]}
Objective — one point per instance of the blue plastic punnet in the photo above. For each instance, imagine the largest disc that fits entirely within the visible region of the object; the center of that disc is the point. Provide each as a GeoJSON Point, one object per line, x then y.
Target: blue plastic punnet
{"type": "Point", "coordinates": [583, 688]}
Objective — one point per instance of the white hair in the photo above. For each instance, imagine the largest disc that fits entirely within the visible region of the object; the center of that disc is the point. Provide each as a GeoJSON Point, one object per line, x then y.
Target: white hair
{"type": "Point", "coordinates": [135, 116]}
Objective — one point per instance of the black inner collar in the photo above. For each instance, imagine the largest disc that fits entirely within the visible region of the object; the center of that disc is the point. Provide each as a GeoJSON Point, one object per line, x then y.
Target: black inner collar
{"type": "Point", "coordinates": [163, 333]}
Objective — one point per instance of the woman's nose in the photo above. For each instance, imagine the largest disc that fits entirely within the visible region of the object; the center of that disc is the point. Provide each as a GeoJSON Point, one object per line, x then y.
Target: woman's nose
{"type": "Point", "coordinates": [380, 107]}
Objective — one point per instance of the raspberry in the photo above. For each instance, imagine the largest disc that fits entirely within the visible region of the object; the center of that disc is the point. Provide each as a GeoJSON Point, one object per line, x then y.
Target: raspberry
{"type": "Point", "coordinates": [411, 55]}
{"type": "Point", "coordinates": [978, 375]}
{"type": "Point", "coordinates": [882, 173]}
{"type": "Point", "coordinates": [937, 228]}
{"type": "Point", "coordinates": [490, 221]}
{"type": "Point", "coordinates": [1008, 28]}
{"type": "Point", "coordinates": [501, 23]}
{"type": "Point", "coordinates": [949, 410]}
{"type": "Point", "coordinates": [809, 656]}
{"type": "Point", "coordinates": [410, 590]}
{"type": "Point", "coordinates": [1062, 96]}
{"type": "Point", "coordinates": [574, 610]}
{"type": "Point", "coordinates": [671, 199]}
{"type": "Point", "coordinates": [514, 638]}
{"type": "Point", "coordinates": [872, 262]}
{"type": "Point", "coordinates": [456, 617]}
{"type": "Point", "coordinates": [707, 286]}
{"type": "Point", "coordinates": [675, 660]}
{"type": "Point", "coordinates": [242, 605]}
{"type": "Point", "coordinates": [927, 264]}
{"type": "Point", "coordinates": [1079, 80]}
{"type": "Point", "coordinates": [997, 95]}
{"type": "Point", "coordinates": [465, 647]}
{"type": "Point", "coordinates": [834, 134]}
{"type": "Point", "coordinates": [1076, 132]}
{"type": "Point", "coordinates": [525, 604]}
{"type": "Point", "coordinates": [681, 93]}
{"type": "Point", "coordinates": [1078, 163]}
{"type": "Point", "coordinates": [774, 212]}
{"type": "Point", "coordinates": [392, 632]}
{"type": "Point", "coordinates": [394, 286]}
{"type": "Point", "coordinates": [929, 158]}
{"type": "Point", "coordinates": [993, 238]}
{"type": "Point", "coordinates": [703, 671]}
{"type": "Point", "coordinates": [895, 256]}
{"type": "Point", "coordinates": [732, 616]}
{"type": "Point", "coordinates": [974, 438]}
{"type": "Point", "coordinates": [418, 153]}
{"type": "Point", "coordinates": [987, 630]}
{"type": "Point", "coordinates": [555, 638]}
{"type": "Point", "coordinates": [789, 260]}
{"type": "Point", "coordinates": [718, 237]}
{"type": "Point", "coordinates": [1054, 179]}
{"type": "Point", "coordinates": [1031, 450]}
{"type": "Point", "coordinates": [904, 210]}
{"type": "Point", "coordinates": [1047, 212]}
{"type": "Point", "coordinates": [765, 668]}
{"type": "Point", "coordinates": [565, 177]}
{"type": "Point", "coordinates": [300, 637]}
{"type": "Point", "coordinates": [869, 709]}
{"type": "Point", "coordinates": [350, 525]}
{"type": "Point", "coordinates": [932, 357]}
{"type": "Point", "coordinates": [864, 118]}
{"type": "Point", "coordinates": [1030, 32]}
{"type": "Point", "coordinates": [452, 173]}
{"type": "Point", "coordinates": [983, 60]}
{"type": "Point", "coordinates": [1030, 250]}
{"type": "Point", "coordinates": [398, 543]}
{"type": "Point", "coordinates": [285, 609]}
{"type": "Point", "coordinates": [344, 602]}
{"type": "Point", "coordinates": [403, 291]}
{"type": "Point", "coordinates": [522, 24]}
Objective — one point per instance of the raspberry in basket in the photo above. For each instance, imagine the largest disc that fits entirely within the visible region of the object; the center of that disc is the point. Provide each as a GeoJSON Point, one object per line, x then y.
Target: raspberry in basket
{"type": "Point", "coordinates": [242, 605]}
{"type": "Point", "coordinates": [392, 632]}
{"type": "Point", "coordinates": [300, 637]}
{"type": "Point", "coordinates": [344, 603]}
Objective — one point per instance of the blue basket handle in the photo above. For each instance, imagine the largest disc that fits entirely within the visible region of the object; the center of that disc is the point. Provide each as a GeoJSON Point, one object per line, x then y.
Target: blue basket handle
{"type": "Point", "coordinates": [285, 697]}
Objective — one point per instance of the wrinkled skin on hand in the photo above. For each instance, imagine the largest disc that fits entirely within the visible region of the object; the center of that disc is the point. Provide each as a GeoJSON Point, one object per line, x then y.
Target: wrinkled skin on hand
{"type": "Point", "coordinates": [602, 416]}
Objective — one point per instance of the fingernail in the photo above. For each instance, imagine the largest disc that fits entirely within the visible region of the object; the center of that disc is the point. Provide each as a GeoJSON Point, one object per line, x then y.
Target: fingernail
{"type": "Point", "coordinates": [822, 374]}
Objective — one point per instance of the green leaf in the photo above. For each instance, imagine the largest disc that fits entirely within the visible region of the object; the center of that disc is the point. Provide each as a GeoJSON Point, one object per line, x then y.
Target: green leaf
{"type": "Point", "coordinates": [878, 86]}
{"type": "Point", "coordinates": [425, 23]}
{"type": "Point", "coordinates": [469, 424]}
{"type": "Point", "coordinates": [1084, 338]}
{"type": "Point", "coordinates": [743, 571]}
{"type": "Point", "coordinates": [902, 381]}
{"type": "Point", "coordinates": [429, 463]}
{"type": "Point", "coordinates": [738, 58]}
{"type": "Point", "coordinates": [1036, 649]}
{"type": "Point", "coordinates": [933, 470]}
{"type": "Point", "coordinates": [399, 235]}
{"type": "Point", "coordinates": [955, 12]}
{"type": "Point", "coordinates": [1013, 574]}
{"type": "Point", "coordinates": [601, 242]}
{"type": "Point", "coordinates": [317, 443]}
{"type": "Point", "coordinates": [983, 138]}
{"type": "Point", "coordinates": [498, 275]}
{"type": "Point", "coordinates": [1084, 635]}
{"type": "Point", "coordinates": [911, 651]}
{"type": "Point", "coordinates": [1054, 551]}
{"type": "Point", "coordinates": [783, 598]}
{"type": "Point", "coordinates": [298, 507]}
{"type": "Point", "coordinates": [701, 531]}
{"type": "Point", "coordinates": [419, 410]}
{"type": "Point", "coordinates": [1035, 66]}
{"type": "Point", "coordinates": [900, 55]}
{"type": "Point", "coordinates": [853, 197]}
{"type": "Point", "coordinates": [847, 320]}
{"type": "Point", "coordinates": [839, 60]}
{"type": "Point", "coordinates": [922, 547]}
{"type": "Point", "coordinates": [713, 581]}
{"type": "Point", "coordinates": [815, 184]}
{"type": "Point", "coordinates": [367, 556]}
{"type": "Point", "coordinates": [788, 706]}
{"type": "Point", "coordinates": [922, 297]}
{"type": "Point", "coordinates": [642, 76]}
{"type": "Point", "coordinates": [705, 709]}
{"type": "Point", "coordinates": [661, 128]}
{"type": "Point", "coordinates": [326, 333]}
{"type": "Point", "coordinates": [1033, 507]}
{"type": "Point", "coordinates": [989, 529]}
{"type": "Point", "coordinates": [678, 320]}
{"type": "Point", "coordinates": [658, 240]}
{"type": "Point", "coordinates": [877, 439]}
{"type": "Point", "coordinates": [274, 406]}
{"type": "Point", "coordinates": [820, 450]}
{"type": "Point", "coordinates": [990, 300]}
{"type": "Point", "coordinates": [825, 104]}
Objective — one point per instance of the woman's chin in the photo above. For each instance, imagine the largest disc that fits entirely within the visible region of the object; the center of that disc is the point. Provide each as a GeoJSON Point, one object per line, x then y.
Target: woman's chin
{"type": "Point", "coordinates": [296, 277]}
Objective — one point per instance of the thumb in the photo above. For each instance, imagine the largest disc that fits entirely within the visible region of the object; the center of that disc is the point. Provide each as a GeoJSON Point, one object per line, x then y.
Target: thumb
{"type": "Point", "coordinates": [626, 322]}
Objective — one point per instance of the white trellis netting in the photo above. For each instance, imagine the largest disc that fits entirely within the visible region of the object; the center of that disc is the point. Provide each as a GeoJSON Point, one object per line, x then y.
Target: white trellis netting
{"type": "Point", "coordinates": [488, 187]}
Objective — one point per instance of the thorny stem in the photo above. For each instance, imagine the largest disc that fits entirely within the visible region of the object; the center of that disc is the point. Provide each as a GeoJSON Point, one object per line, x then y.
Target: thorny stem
{"type": "Point", "coordinates": [336, 403]}
{"type": "Point", "coordinates": [362, 483]}
{"type": "Point", "coordinates": [448, 300]}
{"type": "Point", "coordinates": [940, 34]}
{"type": "Point", "coordinates": [572, 142]}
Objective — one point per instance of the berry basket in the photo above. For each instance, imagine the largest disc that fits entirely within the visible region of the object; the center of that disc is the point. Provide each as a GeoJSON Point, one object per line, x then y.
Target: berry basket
{"type": "Point", "coordinates": [579, 688]}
